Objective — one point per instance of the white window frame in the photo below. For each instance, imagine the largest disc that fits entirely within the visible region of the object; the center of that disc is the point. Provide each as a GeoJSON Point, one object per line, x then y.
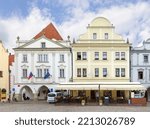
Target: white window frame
{"type": "Point", "coordinates": [62, 73]}
{"type": "Point", "coordinates": [104, 72]}
{"type": "Point", "coordinates": [78, 72]}
{"type": "Point", "coordinates": [96, 55]}
{"type": "Point", "coordinates": [84, 55]}
{"type": "Point", "coordinates": [84, 71]}
{"type": "Point", "coordinates": [106, 36]}
{"type": "Point", "coordinates": [25, 58]}
{"type": "Point", "coordinates": [94, 36]}
{"type": "Point", "coordinates": [24, 73]}
{"type": "Point", "coordinates": [123, 55]}
{"type": "Point", "coordinates": [39, 73]}
{"type": "Point", "coordinates": [104, 55]}
{"type": "Point", "coordinates": [96, 72]}
{"type": "Point", "coordinates": [123, 72]}
{"type": "Point", "coordinates": [62, 58]}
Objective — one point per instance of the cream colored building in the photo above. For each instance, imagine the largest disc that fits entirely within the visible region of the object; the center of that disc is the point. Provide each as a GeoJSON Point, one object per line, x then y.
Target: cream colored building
{"type": "Point", "coordinates": [100, 54]}
{"type": "Point", "coordinates": [4, 73]}
{"type": "Point", "coordinates": [101, 64]}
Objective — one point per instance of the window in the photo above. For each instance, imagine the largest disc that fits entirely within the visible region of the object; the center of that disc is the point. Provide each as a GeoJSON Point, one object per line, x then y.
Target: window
{"type": "Point", "coordinates": [106, 35]}
{"type": "Point", "coordinates": [117, 55]}
{"type": "Point", "coordinates": [78, 55]}
{"type": "Point", "coordinates": [122, 55]}
{"type": "Point", "coordinates": [61, 57]}
{"type": "Point", "coordinates": [84, 56]}
{"type": "Point", "coordinates": [62, 73]}
{"type": "Point", "coordinates": [24, 58]}
{"type": "Point", "coordinates": [122, 72]}
{"type": "Point", "coordinates": [145, 58]}
{"type": "Point", "coordinates": [117, 72]}
{"type": "Point", "coordinates": [39, 73]}
{"type": "Point", "coordinates": [78, 72]}
{"type": "Point", "coordinates": [45, 58]}
{"type": "Point", "coordinates": [104, 72]}
{"type": "Point", "coordinates": [96, 72]}
{"type": "Point", "coordinates": [46, 71]}
{"type": "Point", "coordinates": [24, 73]}
{"type": "Point", "coordinates": [140, 75]}
{"type": "Point", "coordinates": [42, 58]}
{"type": "Point", "coordinates": [1, 73]}
{"type": "Point", "coordinates": [43, 45]}
{"type": "Point", "coordinates": [84, 72]}
{"type": "Point", "coordinates": [104, 55]}
{"type": "Point", "coordinates": [96, 55]}
{"type": "Point", "coordinates": [94, 36]}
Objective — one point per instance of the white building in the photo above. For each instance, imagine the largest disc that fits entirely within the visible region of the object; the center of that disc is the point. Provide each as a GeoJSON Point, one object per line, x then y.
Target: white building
{"type": "Point", "coordinates": [140, 65]}
{"type": "Point", "coordinates": [41, 64]}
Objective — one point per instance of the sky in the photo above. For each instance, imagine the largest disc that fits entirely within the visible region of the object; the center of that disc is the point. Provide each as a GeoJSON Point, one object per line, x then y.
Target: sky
{"type": "Point", "coordinates": [25, 18]}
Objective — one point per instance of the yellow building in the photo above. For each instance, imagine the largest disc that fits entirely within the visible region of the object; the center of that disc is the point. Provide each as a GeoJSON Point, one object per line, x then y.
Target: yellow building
{"type": "Point", "coordinates": [4, 73]}
{"type": "Point", "coordinates": [101, 64]}
{"type": "Point", "coordinates": [100, 54]}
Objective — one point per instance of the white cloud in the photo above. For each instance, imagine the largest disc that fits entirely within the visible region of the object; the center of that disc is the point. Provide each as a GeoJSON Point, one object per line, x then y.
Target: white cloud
{"type": "Point", "coordinates": [26, 28]}
{"type": "Point", "coordinates": [130, 20]}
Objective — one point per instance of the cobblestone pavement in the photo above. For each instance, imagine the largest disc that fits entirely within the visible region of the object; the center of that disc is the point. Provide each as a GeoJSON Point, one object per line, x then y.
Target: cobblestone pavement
{"type": "Point", "coordinates": [43, 106]}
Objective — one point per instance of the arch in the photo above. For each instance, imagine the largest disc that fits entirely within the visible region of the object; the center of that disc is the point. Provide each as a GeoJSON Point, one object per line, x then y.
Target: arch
{"type": "Point", "coordinates": [100, 21]}
{"type": "Point", "coordinates": [42, 92]}
{"type": "Point", "coordinates": [26, 93]}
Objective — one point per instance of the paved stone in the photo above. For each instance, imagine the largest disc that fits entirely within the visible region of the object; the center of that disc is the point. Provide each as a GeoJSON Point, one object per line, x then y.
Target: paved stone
{"type": "Point", "coordinates": [43, 106]}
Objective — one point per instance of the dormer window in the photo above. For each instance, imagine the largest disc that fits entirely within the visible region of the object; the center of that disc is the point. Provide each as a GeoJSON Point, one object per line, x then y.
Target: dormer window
{"type": "Point", "coordinates": [106, 35]}
{"type": "Point", "coordinates": [43, 45]}
{"type": "Point", "coordinates": [94, 35]}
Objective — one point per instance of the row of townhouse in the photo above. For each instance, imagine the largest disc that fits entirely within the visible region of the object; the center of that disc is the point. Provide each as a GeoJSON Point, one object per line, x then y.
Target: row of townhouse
{"type": "Point", "coordinates": [99, 61]}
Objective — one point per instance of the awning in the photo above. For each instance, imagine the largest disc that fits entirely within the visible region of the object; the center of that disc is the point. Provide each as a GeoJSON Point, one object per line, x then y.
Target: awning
{"type": "Point", "coordinates": [103, 86]}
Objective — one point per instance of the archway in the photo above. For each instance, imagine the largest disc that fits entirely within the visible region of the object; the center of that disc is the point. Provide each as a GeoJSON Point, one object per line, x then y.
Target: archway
{"type": "Point", "coordinates": [148, 94]}
{"type": "Point", "coordinates": [42, 93]}
{"type": "Point", "coordinates": [26, 93]}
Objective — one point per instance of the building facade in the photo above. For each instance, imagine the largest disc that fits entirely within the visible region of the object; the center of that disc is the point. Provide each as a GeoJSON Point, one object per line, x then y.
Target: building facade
{"type": "Point", "coordinates": [101, 56]}
{"type": "Point", "coordinates": [4, 73]}
{"type": "Point", "coordinates": [140, 65]}
{"type": "Point", "coordinates": [41, 64]}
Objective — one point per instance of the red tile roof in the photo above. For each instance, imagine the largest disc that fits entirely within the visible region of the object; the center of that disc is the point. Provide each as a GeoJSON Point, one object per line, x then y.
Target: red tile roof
{"type": "Point", "coordinates": [11, 59]}
{"type": "Point", "coordinates": [50, 32]}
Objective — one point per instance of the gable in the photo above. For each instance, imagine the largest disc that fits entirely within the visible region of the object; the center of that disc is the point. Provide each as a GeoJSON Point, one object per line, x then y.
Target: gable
{"type": "Point", "coordinates": [38, 43]}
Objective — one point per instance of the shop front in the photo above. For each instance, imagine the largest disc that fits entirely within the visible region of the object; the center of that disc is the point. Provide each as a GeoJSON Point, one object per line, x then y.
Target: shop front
{"type": "Point", "coordinates": [105, 92]}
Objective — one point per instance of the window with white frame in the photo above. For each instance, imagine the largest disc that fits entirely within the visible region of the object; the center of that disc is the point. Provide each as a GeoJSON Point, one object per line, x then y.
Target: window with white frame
{"type": "Point", "coordinates": [94, 35]}
{"type": "Point", "coordinates": [62, 73]}
{"type": "Point", "coordinates": [24, 58]}
{"type": "Point", "coordinates": [140, 75]}
{"type": "Point", "coordinates": [104, 55]}
{"type": "Point", "coordinates": [96, 72]}
{"type": "Point", "coordinates": [79, 72]}
{"type": "Point", "coordinates": [24, 73]}
{"type": "Point", "coordinates": [45, 58]}
{"type": "Point", "coordinates": [42, 58]}
{"type": "Point", "coordinates": [96, 55]}
{"type": "Point", "coordinates": [61, 57]}
{"type": "Point", "coordinates": [117, 55]}
{"type": "Point", "coordinates": [43, 45]}
{"type": "Point", "coordinates": [78, 55]}
{"type": "Point", "coordinates": [84, 72]}
{"type": "Point", "coordinates": [46, 71]}
{"type": "Point", "coordinates": [39, 73]}
{"type": "Point", "coordinates": [145, 58]}
{"type": "Point", "coordinates": [1, 73]}
{"type": "Point", "coordinates": [122, 72]}
{"type": "Point", "coordinates": [104, 72]}
{"type": "Point", "coordinates": [84, 56]}
{"type": "Point", "coordinates": [122, 55]}
{"type": "Point", "coordinates": [117, 72]}
{"type": "Point", "coordinates": [106, 35]}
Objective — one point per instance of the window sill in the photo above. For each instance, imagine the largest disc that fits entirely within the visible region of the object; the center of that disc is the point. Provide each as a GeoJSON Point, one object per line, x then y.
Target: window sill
{"type": "Point", "coordinates": [61, 62]}
{"type": "Point", "coordinates": [42, 61]}
{"type": "Point", "coordinates": [61, 77]}
{"type": "Point", "coordinates": [24, 62]}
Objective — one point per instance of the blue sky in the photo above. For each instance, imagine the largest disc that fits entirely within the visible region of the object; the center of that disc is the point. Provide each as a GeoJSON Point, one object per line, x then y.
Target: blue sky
{"type": "Point", "coordinates": [18, 17]}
